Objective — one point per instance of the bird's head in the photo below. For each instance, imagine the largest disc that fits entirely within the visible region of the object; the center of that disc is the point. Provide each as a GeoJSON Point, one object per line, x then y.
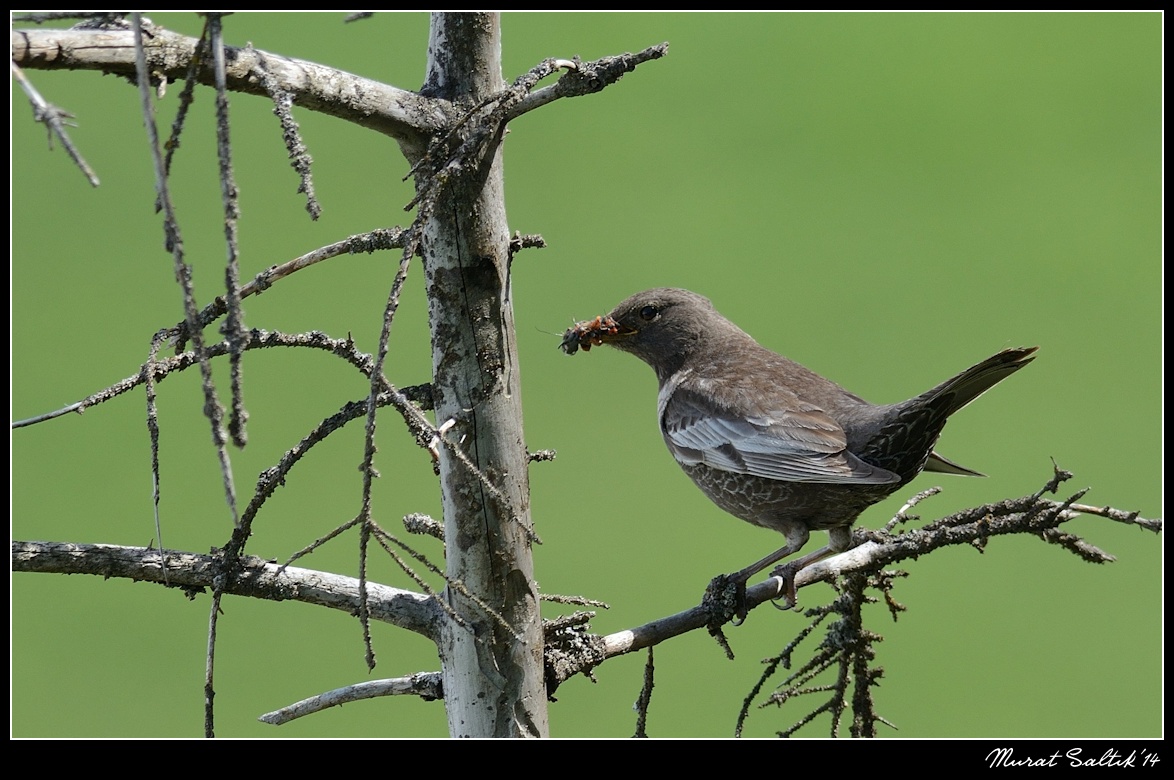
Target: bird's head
{"type": "Point", "coordinates": [662, 327]}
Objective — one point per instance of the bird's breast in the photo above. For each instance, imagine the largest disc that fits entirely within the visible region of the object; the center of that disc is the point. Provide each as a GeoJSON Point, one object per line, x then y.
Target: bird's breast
{"type": "Point", "coordinates": [773, 503]}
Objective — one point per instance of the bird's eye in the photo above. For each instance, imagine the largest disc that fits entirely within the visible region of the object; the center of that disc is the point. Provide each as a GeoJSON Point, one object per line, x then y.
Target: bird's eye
{"type": "Point", "coordinates": [649, 313]}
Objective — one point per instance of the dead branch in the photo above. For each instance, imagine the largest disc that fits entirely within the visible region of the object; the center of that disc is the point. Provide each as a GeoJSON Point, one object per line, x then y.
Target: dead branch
{"type": "Point", "coordinates": [254, 578]}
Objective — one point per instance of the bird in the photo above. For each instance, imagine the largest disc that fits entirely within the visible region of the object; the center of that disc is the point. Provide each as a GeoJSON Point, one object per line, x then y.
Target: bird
{"type": "Point", "coordinates": [770, 441]}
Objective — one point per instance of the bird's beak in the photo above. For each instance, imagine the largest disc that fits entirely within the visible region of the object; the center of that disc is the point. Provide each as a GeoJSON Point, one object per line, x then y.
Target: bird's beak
{"type": "Point", "coordinates": [592, 333]}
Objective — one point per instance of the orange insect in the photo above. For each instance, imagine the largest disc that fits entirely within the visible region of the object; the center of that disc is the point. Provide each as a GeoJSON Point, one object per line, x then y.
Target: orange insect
{"type": "Point", "coordinates": [588, 334]}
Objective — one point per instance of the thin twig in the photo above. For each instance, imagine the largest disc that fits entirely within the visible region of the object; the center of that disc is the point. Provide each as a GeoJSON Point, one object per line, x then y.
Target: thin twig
{"type": "Point", "coordinates": [644, 700]}
{"type": "Point", "coordinates": [210, 663]}
{"type": "Point", "coordinates": [153, 432]}
{"type": "Point", "coordinates": [367, 468]}
{"type": "Point", "coordinates": [405, 402]}
{"type": "Point", "coordinates": [291, 134]}
{"type": "Point", "coordinates": [187, 98]}
{"type": "Point", "coordinates": [586, 78]}
{"type": "Point", "coordinates": [384, 539]}
{"type": "Point", "coordinates": [183, 272]}
{"type": "Point", "coordinates": [55, 119]}
{"type": "Point", "coordinates": [234, 327]}
{"type": "Point", "coordinates": [426, 685]}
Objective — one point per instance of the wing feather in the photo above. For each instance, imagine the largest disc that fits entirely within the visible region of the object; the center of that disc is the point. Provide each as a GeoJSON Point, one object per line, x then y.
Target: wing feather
{"type": "Point", "coordinates": [796, 442]}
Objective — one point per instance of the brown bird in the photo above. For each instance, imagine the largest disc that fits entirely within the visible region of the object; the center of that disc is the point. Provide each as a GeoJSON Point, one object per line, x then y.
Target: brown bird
{"type": "Point", "coordinates": [770, 441]}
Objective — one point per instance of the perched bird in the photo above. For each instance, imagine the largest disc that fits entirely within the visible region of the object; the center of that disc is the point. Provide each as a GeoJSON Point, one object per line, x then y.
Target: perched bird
{"type": "Point", "coordinates": [770, 441]}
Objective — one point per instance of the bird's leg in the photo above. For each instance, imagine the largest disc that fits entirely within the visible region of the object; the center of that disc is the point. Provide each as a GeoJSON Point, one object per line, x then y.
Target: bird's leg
{"type": "Point", "coordinates": [725, 596]}
{"type": "Point", "coordinates": [787, 572]}
{"type": "Point", "coordinates": [839, 539]}
{"type": "Point", "coordinates": [796, 534]}
{"type": "Point", "coordinates": [744, 575]}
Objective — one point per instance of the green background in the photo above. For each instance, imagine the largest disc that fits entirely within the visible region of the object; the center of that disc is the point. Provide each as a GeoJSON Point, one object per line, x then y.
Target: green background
{"type": "Point", "coordinates": [886, 198]}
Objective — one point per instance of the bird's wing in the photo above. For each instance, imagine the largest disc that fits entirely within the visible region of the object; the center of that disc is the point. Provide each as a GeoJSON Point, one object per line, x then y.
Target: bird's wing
{"type": "Point", "coordinates": [796, 442]}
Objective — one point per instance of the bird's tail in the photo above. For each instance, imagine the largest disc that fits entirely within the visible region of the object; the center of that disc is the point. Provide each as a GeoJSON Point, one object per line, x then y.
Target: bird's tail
{"type": "Point", "coordinates": [914, 425]}
{"type": "Point", "coordinates": [976, 380]}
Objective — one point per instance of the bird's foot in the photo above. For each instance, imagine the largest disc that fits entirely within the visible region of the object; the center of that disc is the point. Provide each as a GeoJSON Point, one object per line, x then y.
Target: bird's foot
{"type": "Point", "coordinates": [725, 599]}
{"type": "Point", "coordinates": [786, 572]}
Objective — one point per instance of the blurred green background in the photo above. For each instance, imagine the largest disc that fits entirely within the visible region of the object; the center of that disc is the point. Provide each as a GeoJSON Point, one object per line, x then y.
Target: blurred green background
{"type": "Point", "coordinates": [886, 198]}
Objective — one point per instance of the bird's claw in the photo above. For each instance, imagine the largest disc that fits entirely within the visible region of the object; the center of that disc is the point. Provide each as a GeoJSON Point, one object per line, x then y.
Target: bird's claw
{"type": "Point", "coordinates": [725, 598]}
{"type": "Point", "coordinates": [786, 572]}
{"type": "Point", "coordinates": [741, 610]}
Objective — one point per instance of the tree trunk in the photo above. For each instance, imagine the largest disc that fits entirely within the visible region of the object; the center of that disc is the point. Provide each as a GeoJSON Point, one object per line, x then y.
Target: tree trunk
{"type": "Point", "coordinates": [493, 681]}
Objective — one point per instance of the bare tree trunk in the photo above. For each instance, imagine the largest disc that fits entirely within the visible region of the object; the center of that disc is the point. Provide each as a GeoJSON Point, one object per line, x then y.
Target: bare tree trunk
{"type": "Point", "coordinates": [492, 666]}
